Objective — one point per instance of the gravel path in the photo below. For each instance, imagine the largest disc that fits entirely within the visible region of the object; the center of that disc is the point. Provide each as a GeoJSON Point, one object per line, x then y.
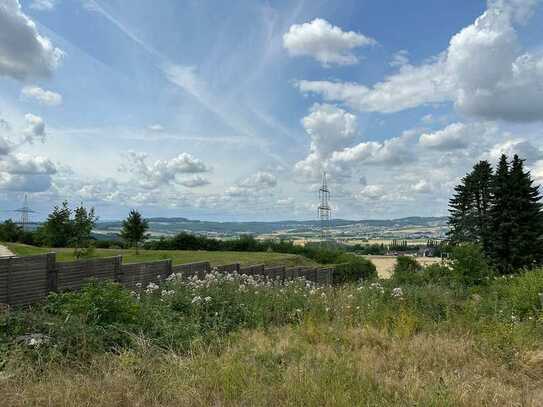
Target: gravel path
{"type": "Point", "coordinates": [5, 252]}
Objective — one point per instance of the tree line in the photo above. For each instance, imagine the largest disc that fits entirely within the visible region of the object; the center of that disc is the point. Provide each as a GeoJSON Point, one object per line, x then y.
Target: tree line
{"type": "Point", "coordinates": [500, 210]}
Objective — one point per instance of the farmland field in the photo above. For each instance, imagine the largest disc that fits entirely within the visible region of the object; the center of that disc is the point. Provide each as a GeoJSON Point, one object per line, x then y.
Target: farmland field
{"type": "Point", "coordinates": [178, 256]}
{"type": "Point", "coordinates": [385, 264]}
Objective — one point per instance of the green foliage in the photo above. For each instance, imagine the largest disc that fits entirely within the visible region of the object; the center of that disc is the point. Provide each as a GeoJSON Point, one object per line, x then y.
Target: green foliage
{"type": "Point", "coordinates": [501, 212]}
{"type": "Point", "coordinates": [82, 225]}
{"type": "Point", "coordinates": [134, 228]}
{"type": "Point", "coordinates": [469, 265]}
{"type": "Point", "coordinates": [98, 303]}
{"type": "Point", "coordinates": [407, 271]}
{"type": "Point", "coordinates": [353, 269]}
{"type": "Point", "coordinates": [10, 231]}
{"type": "Point", "coordinates": [61, 230]}
{"type": "Point", "coordinates": [57, 229]}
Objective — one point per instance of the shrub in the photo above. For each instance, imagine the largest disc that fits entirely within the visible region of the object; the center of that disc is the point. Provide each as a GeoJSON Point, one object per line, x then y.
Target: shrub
{"type": "Point", "coordinates": [99, 303]}
{"type": "Point", "coordinates": [407, 271]}
{"type": "Point", "coordinates": [353, 268]}
{"type": "Point", "coordinates": [469, 265]}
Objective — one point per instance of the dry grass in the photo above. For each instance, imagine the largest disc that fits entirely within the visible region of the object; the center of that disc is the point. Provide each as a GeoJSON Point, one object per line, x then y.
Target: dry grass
{"type": "Point", "coordinates": [385, 264]}
{"type": "Point", "coordinates": [314, 365]}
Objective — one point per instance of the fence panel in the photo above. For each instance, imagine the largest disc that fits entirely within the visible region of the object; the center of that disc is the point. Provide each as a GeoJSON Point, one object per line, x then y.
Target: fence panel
{"type": "Point", "coordinates": [73, 275]}
{"type": "Point", "coordinates": [276, 273]}
{"type": "Point", "coordinates": [199, 269]}
{"type": "Point", "coordinates": [138, 275]}
{"type": "Point", "coordinates": [229, 268]}
{"type": "Point", "coordinates": [257, 269]}
{"type": "Point", "coordinates": [24, 279]}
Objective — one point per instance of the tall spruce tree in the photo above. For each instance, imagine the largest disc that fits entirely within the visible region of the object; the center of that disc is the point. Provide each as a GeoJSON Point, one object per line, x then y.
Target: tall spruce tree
{"type": "Point", "coordinates": [470, 206]}
{"type": "Point", "coordinates": [527, 218]}
{"type": "Point", "coordinates": [502, 218]}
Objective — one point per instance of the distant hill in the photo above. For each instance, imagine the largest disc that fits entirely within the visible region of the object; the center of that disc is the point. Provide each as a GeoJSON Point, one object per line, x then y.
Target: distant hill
{"type": "Point", "coordinates": [168, 226]}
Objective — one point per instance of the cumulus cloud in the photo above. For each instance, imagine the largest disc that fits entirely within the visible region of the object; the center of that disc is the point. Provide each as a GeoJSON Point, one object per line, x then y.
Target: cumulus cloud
{"type": "Point", "coordinates": [454, 136]}
{"type": "Point", "coordinates": [35, 128]}
{"type": "Point", "coordinates": [259, 180]}
{"type": "Point", "coordinates": [162, 172]}
{"type": "Point", "coordinates": [391, 152]}
{"type": "Point", "coordinates": [329, 128]}
{"type": "Point", "coordinates": [23, 172]}
{"type": "Point", "coordinates": [523, 148]}
{"type": "Point", "coordinates": [328, 44]}
{"type": "Point", "coordinates": [194, 182]}
{"type": "Point", "coordinates": [26, 53]}
{"type": "Point", "coordinates": [42, 96]}
{"type": "Point", "coordinates": [484, 72]}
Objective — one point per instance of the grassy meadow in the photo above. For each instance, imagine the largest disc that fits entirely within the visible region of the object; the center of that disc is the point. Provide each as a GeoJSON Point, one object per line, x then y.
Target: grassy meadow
{"type": "Point", "coordinates": [216, 258]}
{"type": "Point", "coordinates": [236, 340]}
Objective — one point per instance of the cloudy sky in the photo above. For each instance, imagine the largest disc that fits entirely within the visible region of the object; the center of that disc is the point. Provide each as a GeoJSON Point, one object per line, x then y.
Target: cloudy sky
{"type": "Point", "coordinates": [232, 110]}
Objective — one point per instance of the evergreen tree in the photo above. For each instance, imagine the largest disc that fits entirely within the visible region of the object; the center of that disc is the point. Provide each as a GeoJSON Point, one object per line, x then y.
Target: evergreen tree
{"type": "Point", "coordinates": [527, 218]}
{"type": "Point", "coordinates": [469, 208]}
{"type": "Point", "coordinates": [134, 228]}
{"type": "Point", "coordinates": [501, 218]}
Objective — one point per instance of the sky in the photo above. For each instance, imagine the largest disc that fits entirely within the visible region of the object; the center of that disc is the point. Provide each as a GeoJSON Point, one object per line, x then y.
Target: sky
{"type": "Point", "coordinates": [220, 110]}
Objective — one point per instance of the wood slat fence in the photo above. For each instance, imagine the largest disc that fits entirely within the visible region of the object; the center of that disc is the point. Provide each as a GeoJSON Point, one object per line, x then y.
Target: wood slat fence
{"type": "Point", "coordinates": [27, 280]}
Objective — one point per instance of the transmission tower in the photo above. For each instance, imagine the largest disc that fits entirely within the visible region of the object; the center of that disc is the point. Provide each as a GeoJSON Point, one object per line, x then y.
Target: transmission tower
{"type": "Point", "coordinates": [324, 210]}
{"type": "Point", "coordinates": [25, 211]}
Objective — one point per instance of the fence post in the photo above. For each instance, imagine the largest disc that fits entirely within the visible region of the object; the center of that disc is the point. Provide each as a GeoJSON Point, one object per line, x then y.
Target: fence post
{"type": "Point", "coordinates": [237, 267]}
{"type": "Point", "coordinates": [118, 270]}
{"type": "Point", "coordinates": [8, 280]}
{"type": "Point", "coordinates": [169, 268]}
{"type": "Point", "coordinates": [51, 270]}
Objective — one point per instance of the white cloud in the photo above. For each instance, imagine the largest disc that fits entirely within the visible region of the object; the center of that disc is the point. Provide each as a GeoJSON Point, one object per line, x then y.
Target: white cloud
{"type": "Point", "coordinates": [194, 182]}
{"type": "Point", "coordinates": [259, 180]}
{"type": "Point", "coordinates": [372, 192]}
{"type": "Point", "coordinates": [328, 44]}
{"type": "Point", "coordinates": [27, 53]}
{"type": "Point", "coordinates": [43, 5]}
{"type": "Point", "coordinates": [42, 96]}
{"type": "Point", "coordinates": [162, 172]}
{"type": "Point", "coordinates": [23, 172]}
{"type": "Point", "coordinates": [484, 72]}
{"type": "Point", "coordinates": [454, 136]}
{"type": "Point", "coordinates": [158, 128]}
{"type": "Point", "coordinates": [391, 152]}
{"type": "Point", "coordinates": [523, 148]}
{"type": "Point", "coordinates": [329, 128]}
{"type": "Point", "coordinates": [35, 128]}
{"type": "Point", "coordinates": [400, 58]}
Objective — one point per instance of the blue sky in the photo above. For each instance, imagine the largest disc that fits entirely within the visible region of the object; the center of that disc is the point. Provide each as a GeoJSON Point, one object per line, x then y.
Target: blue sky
{"type": "Point", "coordinates": [232, 110]}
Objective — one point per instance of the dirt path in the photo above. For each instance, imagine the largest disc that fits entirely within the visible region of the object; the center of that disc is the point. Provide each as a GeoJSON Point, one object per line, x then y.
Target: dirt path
{"type": "Point", "coordinates": [5, 252]}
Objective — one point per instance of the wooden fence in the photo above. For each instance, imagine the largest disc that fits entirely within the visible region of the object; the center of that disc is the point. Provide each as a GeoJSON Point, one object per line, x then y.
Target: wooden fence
{"type": "Point", "coordinates": [26, 280]}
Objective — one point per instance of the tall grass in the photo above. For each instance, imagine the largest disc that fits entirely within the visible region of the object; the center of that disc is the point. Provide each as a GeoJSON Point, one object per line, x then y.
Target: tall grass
{"type": "Point", "coordinates": [239, 340]}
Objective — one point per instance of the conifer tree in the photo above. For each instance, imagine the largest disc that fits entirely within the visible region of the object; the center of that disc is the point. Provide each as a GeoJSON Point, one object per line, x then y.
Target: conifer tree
{"type": "Point", "coordinates": [470, 206]}
{"type": "Point", "coordinates": [134, 228]}
{"type": "Point", "coordinates": [502, 217]}
{"type": "Point", "coordinates": [527, 218]}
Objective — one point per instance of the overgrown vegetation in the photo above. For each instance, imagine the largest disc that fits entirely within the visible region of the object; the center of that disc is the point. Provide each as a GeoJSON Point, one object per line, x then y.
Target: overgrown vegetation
{"type": "Point", "coordinates": [233, 340]}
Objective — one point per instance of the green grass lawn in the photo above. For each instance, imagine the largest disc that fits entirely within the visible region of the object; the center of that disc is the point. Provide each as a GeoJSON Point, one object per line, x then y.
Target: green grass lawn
{"type": "Point", "coordinates": [177, 256]}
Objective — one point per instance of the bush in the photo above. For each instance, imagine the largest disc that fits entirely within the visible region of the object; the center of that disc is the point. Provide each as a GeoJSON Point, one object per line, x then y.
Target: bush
{"type": "Point", "coordinates": [469, 265]}
{"type": "Point", "coordinates": [98, 303]}
{"type": "Point", "coordinates": [353, 268]}
{"type": "Point", "coordinates": [407, 271]}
